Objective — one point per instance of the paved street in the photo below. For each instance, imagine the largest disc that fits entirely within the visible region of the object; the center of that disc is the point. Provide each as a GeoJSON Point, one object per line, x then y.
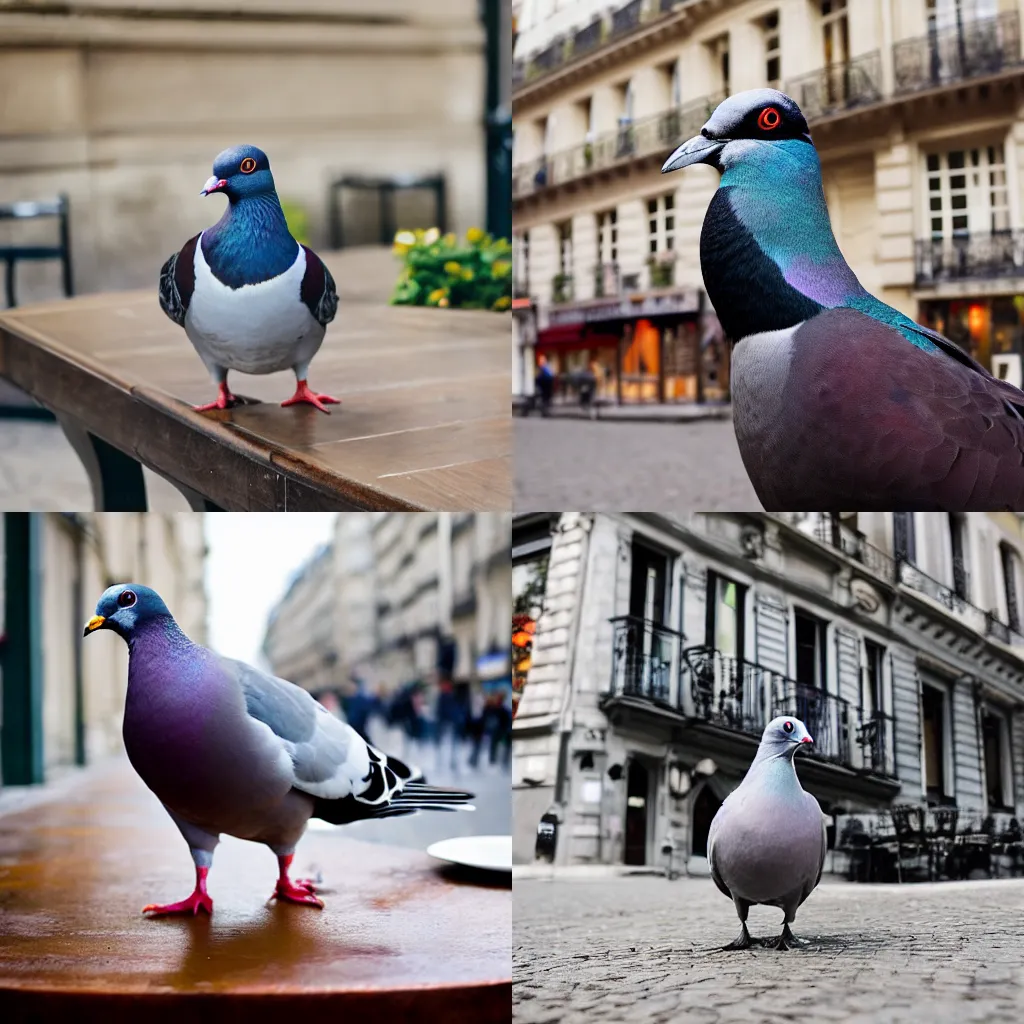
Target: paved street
{"type": "Point", "coordinates": [602, 466]}
{"type": "Point", "coordinates": [645, 949]}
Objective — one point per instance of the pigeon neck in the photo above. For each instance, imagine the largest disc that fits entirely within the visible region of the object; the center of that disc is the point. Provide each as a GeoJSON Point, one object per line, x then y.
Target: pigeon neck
{"type": "Point", "coordinates": [768, 254]}
{"type": "Point", "coordinates": [251, 242]}
{"type": "Point", "coordinates": [781, 757]}
{"type": "Point", "coordinates": [160, 634]}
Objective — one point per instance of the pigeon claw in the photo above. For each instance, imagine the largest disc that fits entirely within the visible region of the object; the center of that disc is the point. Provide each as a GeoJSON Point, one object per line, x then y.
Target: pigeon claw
{"type": "Point", "coordinates": [296, 892]}
{"type": "Point", "coordinates": [192, 905]}
{"type": "Point", "coordinates": [224, 400]}
{"type": "Point", "coordinates": [309, 884]}
{"type": "Point", "coordinates": [742, 941]}
{"type": "Point", "coordinates": [303, 394]}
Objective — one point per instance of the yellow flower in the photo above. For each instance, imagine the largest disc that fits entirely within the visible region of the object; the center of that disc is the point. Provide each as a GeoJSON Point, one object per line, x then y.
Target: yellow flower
{"type": "Point", "coordinates": [452, 267]}
{"type": "Point", "coordinates": [500, 268]}
{"type": "Point", "coordinates": [449, 240]}
{"type": "Point", "coordinates": [502, 303]}
{"type": "Point", "coordinates": [405, 238]}
{"type": "Point", "coordinates": [443, 303]}
{"type": "Point", "coordinates": [431, 236]}
{"type": "Point", "coordinates": [467, 274]}
{"type": "Point", "coordinates": [437, 296]}
{"type": "Point", "coordinates": [474, 235]}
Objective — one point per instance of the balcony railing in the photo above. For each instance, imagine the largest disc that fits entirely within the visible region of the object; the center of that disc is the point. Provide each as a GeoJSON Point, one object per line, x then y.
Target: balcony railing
{"type": "Point", "coordinates": [827, 717]}
{"type": "Point", "coordinates": [645, 659]}
{"type": "Point", "coordinates": [658, 134]}
{"type": "Point", "coordinates": [729, 691]}
{"type": "Point", "coordinates": [588, 38]}
{"type": "Point", "coordinates": [979, 47]}
{"type": "Point", "coordinates": [561, 288]}
{"type": "Point", "coordinates": [606, 280]}
{"type": "Point", "coordinates": [876, 738]}
{"type": "Point", "coordinates": [999, 254]}
{"type": "Point", "coordinates": [625, 19]}
{"type": "Point", "coordinates": [838, 86]}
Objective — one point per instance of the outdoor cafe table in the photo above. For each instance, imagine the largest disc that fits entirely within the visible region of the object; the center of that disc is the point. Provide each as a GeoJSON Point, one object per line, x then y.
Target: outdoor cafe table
{"type": "Point", "coordinates": [424, 422]}
{"type": "Point", "coordinates": [400, 939]}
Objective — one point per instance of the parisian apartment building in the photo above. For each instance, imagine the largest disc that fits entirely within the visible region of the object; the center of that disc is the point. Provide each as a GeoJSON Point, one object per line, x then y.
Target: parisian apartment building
{"type": "Point", "coordinates": [394, 598]}
{"type": "Point", "coordinates": [62, 699]}
{"type": "Point", "coordinates": [665, 643]}
{"type": "Point", "coordinates": [915, 107]}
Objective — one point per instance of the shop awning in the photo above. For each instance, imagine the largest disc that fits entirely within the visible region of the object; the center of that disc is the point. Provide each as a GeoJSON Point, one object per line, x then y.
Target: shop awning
{"type": "Point", "coordinates": [574, 336]}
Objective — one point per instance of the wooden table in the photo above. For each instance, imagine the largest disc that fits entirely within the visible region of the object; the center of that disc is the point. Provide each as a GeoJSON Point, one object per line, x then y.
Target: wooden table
{"type": "Point", "coordinates": [424, 422]}
{"type": "Point", "coordinates": [400, 939]}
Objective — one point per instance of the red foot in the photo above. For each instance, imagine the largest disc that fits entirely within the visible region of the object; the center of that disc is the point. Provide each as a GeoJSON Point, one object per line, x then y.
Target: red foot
{"type": "Point", "coordinates": [303, 394]}
{"type": "Point", "coordinates": [300, 891]}
{"type": "Point", "coordinates": [307, 883]}
{"type": "Point", "coordinates": [225, 400]}
{"type": "Point", "coordinates": [199, 900]}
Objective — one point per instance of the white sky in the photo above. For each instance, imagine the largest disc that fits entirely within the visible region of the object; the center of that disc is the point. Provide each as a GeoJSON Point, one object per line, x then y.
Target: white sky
{"type": "Point", "coordinates": [252, 556]}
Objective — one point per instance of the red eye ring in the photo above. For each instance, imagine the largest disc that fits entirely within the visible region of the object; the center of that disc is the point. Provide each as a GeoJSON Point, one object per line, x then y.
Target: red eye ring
{"type": "Point", "coordinates": [769, 119]}
{"type": "Point", "coordinates": [248, 165]}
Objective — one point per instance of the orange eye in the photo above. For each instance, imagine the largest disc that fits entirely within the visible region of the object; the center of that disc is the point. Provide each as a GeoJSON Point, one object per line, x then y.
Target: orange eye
{"type": "Point", "coordinates": [248, 165]}
{"type": "Point", "coordinates": [768, 119]}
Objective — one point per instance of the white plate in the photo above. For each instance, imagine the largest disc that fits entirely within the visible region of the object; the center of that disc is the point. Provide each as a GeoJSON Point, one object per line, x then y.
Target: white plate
{"type": "Point", "coordinates": [491, 853]}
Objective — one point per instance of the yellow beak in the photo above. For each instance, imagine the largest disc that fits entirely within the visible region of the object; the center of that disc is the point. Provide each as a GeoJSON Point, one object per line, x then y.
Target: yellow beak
{"type": "Point", "coordinates": [93, 624]}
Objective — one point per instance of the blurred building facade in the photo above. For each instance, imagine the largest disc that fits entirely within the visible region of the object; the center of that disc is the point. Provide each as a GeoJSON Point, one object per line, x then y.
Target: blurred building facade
{"type": "Point", "coordinates": [663, 641]}
{"type": "Point", "coordinates": [63, 700]}
{"type": "Point", "coordinates": [124, 105]}
{"type": "Point", "coordinates": [389, 593]}
{"type": "Point", "coordinates": [915, 107]}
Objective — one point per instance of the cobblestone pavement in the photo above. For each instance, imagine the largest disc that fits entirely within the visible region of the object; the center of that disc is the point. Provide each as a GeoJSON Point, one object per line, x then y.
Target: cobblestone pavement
{"type": "Point", "coordinates": [658, 467]}
{"type": "Point", "coordinates": [647, 950]}
{"type": "Point", "coordinates": [40, 471]}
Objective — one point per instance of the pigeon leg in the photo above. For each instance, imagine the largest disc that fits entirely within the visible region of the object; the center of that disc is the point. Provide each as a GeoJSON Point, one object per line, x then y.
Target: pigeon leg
{"type": "Point", "coordinates": [224, 400]}
{"type": "Point", "coordinates": [787, 940]}
{"type": "Point", "coordinates": [303, 394]}
{"type": "Point", "coordinates": [294, 892]}
{"type": "Point", "coordinates": [742, 941]}
{"type": "Point", "coordinates": [199, 900]}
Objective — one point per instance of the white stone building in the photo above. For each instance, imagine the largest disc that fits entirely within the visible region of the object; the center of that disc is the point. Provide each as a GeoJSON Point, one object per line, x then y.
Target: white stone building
{"type": "Point", "coordinates": [664, 640]}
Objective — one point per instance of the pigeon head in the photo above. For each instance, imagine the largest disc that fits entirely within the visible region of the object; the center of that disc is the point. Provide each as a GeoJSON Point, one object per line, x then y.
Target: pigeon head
{"type": "Point", "coordinates": [241, 172]}
{"type": "Point", "coordinates": [783, 737]}
{"type": "Point", "coordinates": [760, 126]}
{"type": "Point", "coordinates": [125, 607]}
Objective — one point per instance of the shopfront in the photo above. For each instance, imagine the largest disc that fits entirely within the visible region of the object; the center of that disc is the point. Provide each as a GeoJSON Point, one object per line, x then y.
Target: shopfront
{"type": "Point", "coordinates": [990, 328]}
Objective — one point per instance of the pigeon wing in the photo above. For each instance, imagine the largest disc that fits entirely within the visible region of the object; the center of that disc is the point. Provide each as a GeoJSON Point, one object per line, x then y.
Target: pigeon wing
{"type": "Point", "coordinates": [178, 281]}
{"type": "Point", "coordinates": [318, 290]}
{"type": "Point", "coordinates": [711, 853]}
{"type": "Point", "coordinates": [889, 426]}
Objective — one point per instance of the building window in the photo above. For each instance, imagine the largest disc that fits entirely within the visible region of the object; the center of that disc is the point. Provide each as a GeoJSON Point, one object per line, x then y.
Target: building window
{"type": "Point", "coordinates": [956, 544]}
{"type": "Point", "coordinates": [933, 740]}
{"type": "Point", "coordinates": [835, 37]}
{"type": "Point", "coordinates": [904, 546]}
{"type": "Point", "coordinates": [608, 236]}
{"type": "Point", "coordinates": [661, 223]}
{"type": "Point", "coordinates": [811, 651]}
{"type": "Point", "coordinates": [724, 626]}
{"type": "Point", "coordinates": [1009, 560]}
{"type": "Point", "coordinates": [872, 695]}
{"type": "Point", "coordinates": [967, 192]}
{"type": "Point", "coordinates": [676, 97]}
{"type": "Point", "coordinates": [998, 777]}
{"type": "Point", "coordinates": [565, 249]}
{"type": "Point", "coordinates": [521, 262]}
{"type": "Point", "coordinates": [719, 50]}
{"type": "Point", "coordinates": [648, 585]}
{"type": "Point", "coordinates": [772, 51]}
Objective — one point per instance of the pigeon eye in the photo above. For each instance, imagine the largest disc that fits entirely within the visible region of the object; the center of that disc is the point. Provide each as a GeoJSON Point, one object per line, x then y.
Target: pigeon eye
{"type": "Point", "coordinates": [248, 165]}
{"type": "Point", "coordinates": [787, 726]}
{"type": "Point", "coordinates": [126, 598]}
{"type": "Point", "coordinates": [768, 119]}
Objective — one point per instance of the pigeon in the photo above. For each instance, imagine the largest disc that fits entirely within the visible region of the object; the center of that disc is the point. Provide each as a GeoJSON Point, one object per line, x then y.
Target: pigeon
{"type": "Point", "coordinates": [229, 749]}
{"type": "Point", "coordinates": [767, 841]}
{"type": "Point", "coordinates": [839, 400]}
{"type": "Point", "coordinates": [249, 296]}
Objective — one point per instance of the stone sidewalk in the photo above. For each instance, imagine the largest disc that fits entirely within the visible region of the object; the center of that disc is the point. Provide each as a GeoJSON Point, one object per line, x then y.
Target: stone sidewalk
{"type": "Point", "coordinates": [644, 949]}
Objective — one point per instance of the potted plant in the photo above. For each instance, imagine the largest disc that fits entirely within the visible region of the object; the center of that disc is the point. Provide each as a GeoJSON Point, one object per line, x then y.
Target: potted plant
{"type": "Point", "coordinates": [662, 267]}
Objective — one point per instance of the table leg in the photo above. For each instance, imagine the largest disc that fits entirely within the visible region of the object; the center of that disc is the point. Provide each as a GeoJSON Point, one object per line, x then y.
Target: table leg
{"type": "Point", "coordinates": [116, 479]}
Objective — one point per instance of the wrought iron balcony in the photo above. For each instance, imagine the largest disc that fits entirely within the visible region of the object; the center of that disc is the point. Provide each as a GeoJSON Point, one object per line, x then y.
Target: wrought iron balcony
{"type": "Point", "coordinates": [549, 58]}
{"type": "Point", "coordinates": [852, 543]}
{"type": "Point", "coordinates": [606, 280]}
{"type": "Point", "coordinates": [875, 737]}
{"type": "Point", "coordinates": [839, 86]}
{"type": "Point", "coordinates": [729, 691]}
{"type": "Point", "coordinates": [998, 254]}
{"type": "Point", "coordinates": [518, 73]}
{"type": "Point", "coordinates": [983, 46]}
{"type": "Point", "coordinates": [588, 38]}
{"type": "Point", "coordinates": [625, 19]}
{"type": "Point", "coordinates": [827, 717]}
{"type": "Point", "coordinates": [655, 135]}
{"type": "Point", "coordinates": [645, 660]}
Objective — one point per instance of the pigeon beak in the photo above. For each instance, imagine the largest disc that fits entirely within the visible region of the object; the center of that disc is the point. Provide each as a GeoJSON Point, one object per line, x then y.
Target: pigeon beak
{"type": "Point", "coordinates": [699, 150]}
{"type": "Point", "coordinates": [807, 739]}
{"type": "Point", "coordinates": [214, 184]}
{"type": "Point", "coordinates": [93, 624]}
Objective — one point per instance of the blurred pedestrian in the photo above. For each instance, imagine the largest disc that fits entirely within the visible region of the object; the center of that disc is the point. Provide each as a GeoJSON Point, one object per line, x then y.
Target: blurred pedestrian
{"type": "Point", "coordinates": [544, 383]}
{"type": "Point", "coordinates": [359, 706]}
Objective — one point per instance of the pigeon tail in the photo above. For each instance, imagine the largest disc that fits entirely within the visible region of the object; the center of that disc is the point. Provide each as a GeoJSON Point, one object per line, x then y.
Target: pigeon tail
{"type": "Point", "coordinates": [415, 796]}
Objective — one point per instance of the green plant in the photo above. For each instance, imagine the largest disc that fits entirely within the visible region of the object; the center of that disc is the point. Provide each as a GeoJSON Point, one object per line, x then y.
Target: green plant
{"type": "Point", "coordinates": [297, 220]}
{"type": "Point", "coordinates": [441, 271]}
{"type": "Point", "coordinates": [561, 288]}
{"type": "Point", "coordinates": [662, 272]}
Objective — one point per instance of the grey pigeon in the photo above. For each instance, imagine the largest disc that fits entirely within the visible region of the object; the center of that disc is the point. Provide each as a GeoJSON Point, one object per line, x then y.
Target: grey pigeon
{"type": "Point", "coordinates": [249, 296]}
{"type": "Point", "coordinates": [229, 749]}
{"type": "Point", "coordinates": [839, 400]}
{"type": "Point", "coordinates": [767, 841]}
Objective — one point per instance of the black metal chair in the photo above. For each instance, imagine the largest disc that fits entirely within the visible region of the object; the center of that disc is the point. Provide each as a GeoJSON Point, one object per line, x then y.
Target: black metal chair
{"type": "Point", "coordinates": [941, 838]}
{"type": "Point", "coordinates": [911, 842]}
{"type": "Point", "coordinates": [386, 189]}
{"type": "Point", "coordinates": [12, 254]}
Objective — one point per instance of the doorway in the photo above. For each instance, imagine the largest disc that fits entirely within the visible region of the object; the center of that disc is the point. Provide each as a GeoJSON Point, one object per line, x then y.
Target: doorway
{"type": "Point", "coordinates": [638, 790]}
{"type": "Point", "coordinates": [933, 736]}
{"type": "Point", "coordinates": [705, 807]}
